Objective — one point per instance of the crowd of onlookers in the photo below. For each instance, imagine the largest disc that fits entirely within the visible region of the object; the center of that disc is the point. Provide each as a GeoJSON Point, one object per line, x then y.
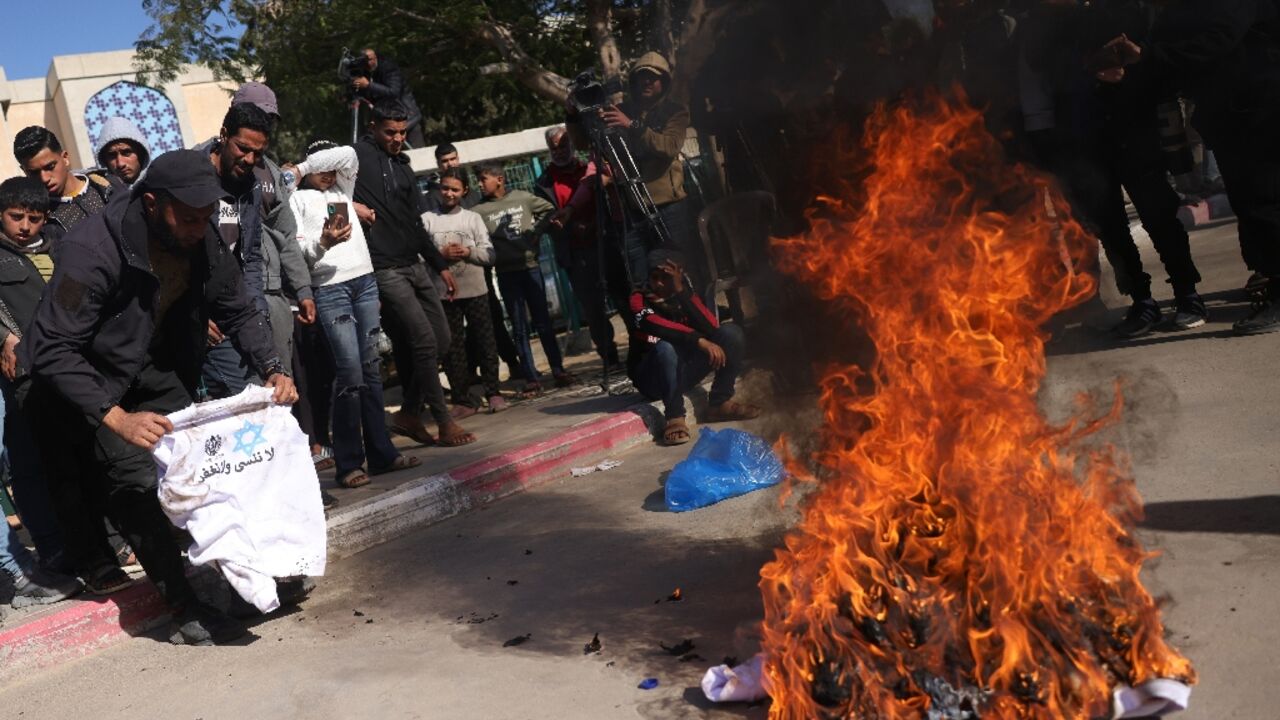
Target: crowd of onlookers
{"type": "Point", "coordinates": [130, 290]}
{"type": "Point", "coordinates": [1149, 104]}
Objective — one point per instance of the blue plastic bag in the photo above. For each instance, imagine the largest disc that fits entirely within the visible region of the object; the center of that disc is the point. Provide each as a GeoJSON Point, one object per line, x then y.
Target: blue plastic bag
{"type": "Point", "coordinates": [723, 464]}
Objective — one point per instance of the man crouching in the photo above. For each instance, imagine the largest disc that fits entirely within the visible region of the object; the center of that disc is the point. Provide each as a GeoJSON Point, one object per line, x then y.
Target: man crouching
{"type": "Point", "coordinates": [677, 342]}
{"type": "Point", "coordinates": [117, 342]}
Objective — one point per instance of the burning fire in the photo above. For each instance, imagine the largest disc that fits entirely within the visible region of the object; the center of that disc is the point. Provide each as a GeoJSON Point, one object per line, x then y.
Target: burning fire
{"type": "Point", "coordinates": [963, 557]}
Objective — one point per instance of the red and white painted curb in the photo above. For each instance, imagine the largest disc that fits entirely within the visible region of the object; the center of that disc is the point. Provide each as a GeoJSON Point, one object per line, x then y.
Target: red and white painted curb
{"type": "Point", "coordinates": [80, 627]}
{"type": "Point", "coordinates": [431, 499]}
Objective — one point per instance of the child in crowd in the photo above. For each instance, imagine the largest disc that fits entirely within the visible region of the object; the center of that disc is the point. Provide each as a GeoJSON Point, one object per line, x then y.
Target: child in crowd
{"type": "Point", "coordinates": [25, 266]}
{"type": "Point", "coordinates": [461, 237]}
{"type": "Point", "coordinates": [346, 294]}
{"type": "Point", "coordinates": [677, 342]}
{"type": "Point", "coordinates": [512, 218]}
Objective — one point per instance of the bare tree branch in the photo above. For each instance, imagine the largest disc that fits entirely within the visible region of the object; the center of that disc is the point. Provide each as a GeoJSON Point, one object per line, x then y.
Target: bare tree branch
{"type": "Point", "coordinates": [697, 40]}
{"type": "Point", "coordinates": [532, 75]}
{"type": "Point", "coordinates": [515, 62]}
{"type": "Point", "coordinates": [600, 29]}
{"type": "Point", "coordinates": [413, 16]}
{"type": "Point", "coordinates": [662, 33]}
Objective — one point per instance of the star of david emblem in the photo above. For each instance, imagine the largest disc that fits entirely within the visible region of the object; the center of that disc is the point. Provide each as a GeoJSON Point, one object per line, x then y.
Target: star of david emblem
{"type": "Point", "coordinates": [248, 438]}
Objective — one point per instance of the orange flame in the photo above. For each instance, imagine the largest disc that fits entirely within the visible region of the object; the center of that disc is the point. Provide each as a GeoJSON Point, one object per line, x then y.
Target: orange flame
{"type": "Point", "coordinates": [961, 552]}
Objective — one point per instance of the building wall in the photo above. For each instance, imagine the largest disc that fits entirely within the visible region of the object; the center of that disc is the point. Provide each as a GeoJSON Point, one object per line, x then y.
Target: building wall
{"type": "Point", "coordinates": [58, 101]}
{"type": "Point", "coordinates": [207, 103]}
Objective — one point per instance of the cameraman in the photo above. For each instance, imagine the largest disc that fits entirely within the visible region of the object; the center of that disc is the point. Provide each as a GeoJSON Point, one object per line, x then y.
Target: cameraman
{"type": "Point", "coordinates": [654, 126]}
{"type": "Point", "coordinates": [375, 78]}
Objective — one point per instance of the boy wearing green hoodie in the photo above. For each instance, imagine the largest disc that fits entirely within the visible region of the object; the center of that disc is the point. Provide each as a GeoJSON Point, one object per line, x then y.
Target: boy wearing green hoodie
{"type": "Point", "coordinates": [515, 221]}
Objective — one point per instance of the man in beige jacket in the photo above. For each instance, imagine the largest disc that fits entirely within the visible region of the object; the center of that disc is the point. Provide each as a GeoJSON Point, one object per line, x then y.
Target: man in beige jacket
{"type": "Point", "coordinates": [654, 126]}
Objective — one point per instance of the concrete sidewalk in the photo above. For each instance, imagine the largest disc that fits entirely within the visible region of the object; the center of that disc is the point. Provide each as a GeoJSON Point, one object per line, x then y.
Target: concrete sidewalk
{"type": "Point", "coordinates": [534, 441]}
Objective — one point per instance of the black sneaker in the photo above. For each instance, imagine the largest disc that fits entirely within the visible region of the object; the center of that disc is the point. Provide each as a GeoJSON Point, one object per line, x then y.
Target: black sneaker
{"type": "Point", "coordinates": [294, 590]}
{"type": "Point", "coordinates": [43, 588]}
{"type": "Point", "coordinates": [1189, 312]}
{"type": "Point", "coordinates": [200, 624]}
{"type": "Point", "coordinates": [328, 500]}
{"type": "Point", "coordinates": [1263, 318]}
{"type": "Point", "coordinates": [1256, 285]}
{"type": "Point", "coordinates": [1141, 319]}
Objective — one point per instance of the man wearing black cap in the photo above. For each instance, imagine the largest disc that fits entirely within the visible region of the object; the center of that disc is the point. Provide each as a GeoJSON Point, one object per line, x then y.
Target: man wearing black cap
{"type": "Point", "coordinates": [117, 342]}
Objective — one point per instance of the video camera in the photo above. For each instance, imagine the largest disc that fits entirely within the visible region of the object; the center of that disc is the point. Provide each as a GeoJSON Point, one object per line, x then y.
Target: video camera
{"type": "Point", "coordinates": [589, 95]}
{"type": "Point", "coordinates": [353, 66]}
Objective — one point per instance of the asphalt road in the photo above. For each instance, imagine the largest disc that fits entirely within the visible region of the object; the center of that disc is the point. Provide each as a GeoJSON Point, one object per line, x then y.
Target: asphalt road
{"type": "Point", "coordinates": [416, 628]}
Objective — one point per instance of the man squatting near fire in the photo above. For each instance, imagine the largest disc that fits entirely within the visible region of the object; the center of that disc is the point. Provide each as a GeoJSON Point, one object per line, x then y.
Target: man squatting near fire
{"type": "Point", "coordinates": [677, 342]}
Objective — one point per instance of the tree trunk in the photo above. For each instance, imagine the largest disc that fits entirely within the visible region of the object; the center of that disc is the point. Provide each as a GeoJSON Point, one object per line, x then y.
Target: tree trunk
{"type": "Point", "coordinates": [698, 40]}
{"type": "Point", "coordinates": [542, 81]}
{"type": "Point", "coordinates": [516, 61]}
{"type": "Point", "coordinates": [600, 28]}
{"type": "Point", "coordinates": [662, 34]}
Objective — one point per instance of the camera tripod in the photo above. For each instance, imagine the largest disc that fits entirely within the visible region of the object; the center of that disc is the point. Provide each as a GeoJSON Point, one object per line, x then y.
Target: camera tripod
{"type": "Point", "coordinates": [611, 147]}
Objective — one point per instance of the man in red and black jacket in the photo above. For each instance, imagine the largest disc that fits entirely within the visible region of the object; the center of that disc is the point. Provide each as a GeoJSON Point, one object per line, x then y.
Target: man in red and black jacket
{"type": "Point", "coordinates": [677, 342]}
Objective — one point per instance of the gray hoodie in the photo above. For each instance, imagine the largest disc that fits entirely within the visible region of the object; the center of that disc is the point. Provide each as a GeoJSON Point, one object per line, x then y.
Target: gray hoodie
{"type": "Point", "coordinates": [118, 128]}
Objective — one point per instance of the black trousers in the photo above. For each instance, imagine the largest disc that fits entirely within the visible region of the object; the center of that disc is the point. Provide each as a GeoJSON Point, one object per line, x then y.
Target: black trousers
{"type": "Point", "coordinates": [470, 322]}
{"type": "Point", "coordinates": [313, 375]}
{"type": "Point", "coordinates": [1098, 179]}
{"type": "Point", "coordinates": [1252, 177]}
{"type": "Point", "coordinates": [505, 346]}
{"type": "Point", "coordinates": [414, 319]}
{"type": "Point", "coordinates": [90, 470]}
{"type": "Point", "coordinates": [595, 278]}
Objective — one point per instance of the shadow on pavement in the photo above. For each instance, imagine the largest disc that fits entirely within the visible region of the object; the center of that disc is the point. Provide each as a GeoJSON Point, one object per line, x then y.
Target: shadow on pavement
{"type": "Point", "coordinates": [1259, 515]}
{"type": "Point", "coordinates": [657, 500]}
{"type": "Point", "coordinates": [561, 566]}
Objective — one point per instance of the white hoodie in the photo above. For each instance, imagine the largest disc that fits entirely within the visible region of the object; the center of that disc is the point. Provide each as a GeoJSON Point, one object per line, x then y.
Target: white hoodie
{"type": "Point", "coordinates": [344, 261]}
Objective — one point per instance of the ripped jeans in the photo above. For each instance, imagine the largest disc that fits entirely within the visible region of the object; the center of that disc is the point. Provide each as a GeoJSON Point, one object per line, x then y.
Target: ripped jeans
{"type": "Point", "coordinates": [349, 315]}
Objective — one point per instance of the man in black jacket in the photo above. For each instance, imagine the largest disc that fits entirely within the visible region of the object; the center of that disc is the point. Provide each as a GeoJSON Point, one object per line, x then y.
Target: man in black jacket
{"type": "Point", "coordinates": [390, 207]}
{"type": "Point", "coordinates": [1225, 54]}
{"type": "Point", "coordinates": [117, 342]}
{"type": "Point", "coordinates": [384, 81]}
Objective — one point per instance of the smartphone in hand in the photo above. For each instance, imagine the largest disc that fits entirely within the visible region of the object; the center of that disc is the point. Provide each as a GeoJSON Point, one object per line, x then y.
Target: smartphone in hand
{"type": "Point", "coordinates": [340, 209]}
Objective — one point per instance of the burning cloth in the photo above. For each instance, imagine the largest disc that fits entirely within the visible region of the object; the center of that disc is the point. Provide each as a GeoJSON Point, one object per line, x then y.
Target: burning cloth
{"type": "Point", "coordinates": [237, 475]}
{"type": "Point", "coordinates": [962, 556]}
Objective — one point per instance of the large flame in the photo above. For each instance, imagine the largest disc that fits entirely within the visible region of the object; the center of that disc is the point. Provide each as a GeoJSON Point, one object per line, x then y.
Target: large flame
{"type": "Point", "coordinates": [962, 555]}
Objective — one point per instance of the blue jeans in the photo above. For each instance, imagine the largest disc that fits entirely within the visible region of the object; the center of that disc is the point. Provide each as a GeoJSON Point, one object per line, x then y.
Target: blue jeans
{"type": "Point", "coordinates": [15, 559]}
{"type": "Point", "coordinates": [667, 372]}
{"type": "Point", "coordinates": [225, 372]}
{"type": "Point", "coordinates": [26, 478]}
{"type": "Point", "coordinates": [640, 238]}
{"type": "Point", "coordinates": [349, 315]}
{"type": "Point", "coordinates": [524, 288]}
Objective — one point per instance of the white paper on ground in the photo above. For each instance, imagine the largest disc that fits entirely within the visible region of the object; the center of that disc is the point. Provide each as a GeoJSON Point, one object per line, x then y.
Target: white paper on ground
{"type": "Point", "coordinates": [237, 475]}
{"type": "Point", "coordinates": [743, 683]}
{"type": "Point", "coordinates": [606, 465]}
{"type": "Point", "coordinates": [1150, 699]}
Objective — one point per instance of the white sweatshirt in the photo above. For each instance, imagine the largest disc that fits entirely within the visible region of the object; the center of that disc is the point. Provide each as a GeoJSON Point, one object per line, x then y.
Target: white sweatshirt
{"type": "Point", "coordinates": [344, 261]}
{"type": "Point", "coordinates": [465, 228]}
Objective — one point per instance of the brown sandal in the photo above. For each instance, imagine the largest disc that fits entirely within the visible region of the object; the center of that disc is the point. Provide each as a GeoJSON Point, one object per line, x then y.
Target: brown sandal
{"type": "Point", "coordinates": [452, 435]}
{"type": "Point", "coordinates": [402, 462]}
{"type": "Point", "coordinates": [419, 434]}
{"type": "Point", "coordinates": [731, 410]}
{"type": "Point", "coordinates": [676, 432]}
{"type": "Point", "coordinates": [354, 479]}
